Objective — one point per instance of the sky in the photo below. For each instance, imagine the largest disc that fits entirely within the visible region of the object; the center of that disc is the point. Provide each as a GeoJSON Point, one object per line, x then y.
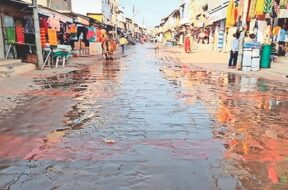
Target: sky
{"type": "Point", "coordinates": [149, 11]}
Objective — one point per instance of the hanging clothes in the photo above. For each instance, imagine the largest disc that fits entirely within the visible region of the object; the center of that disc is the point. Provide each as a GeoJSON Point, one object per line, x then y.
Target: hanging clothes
{"type": "Point", "coordinates": [54, 23]}
{"type": "Point", "coordinates": [20, 34]}
{"type": "Point", "coordinates": [29, 26]}
{"type": "Point", "coordinates": [283, 4]}
{"type": "Point", "coordinates": [230, 21]}
{"type": "Point", "coordinates": [262, 25]}
{"type": "Point", "coordinates": [276, 30]}
{"type": "Point", "coordinates": [73, 28]}
{"type": "Point", "coordinates": [252, 9]}
{"type": "Point", "coordinates": [268, 6]}
{"type": "Point", "coordinates": [259, 10]}
{"type": "Point", "coordinates": [44, 24]}
{"type": "Point", "coordinates": [11, 35]}
{"type": "Point", "coordinates": [52, 37]}
{"type": "Point", "coordinates": [43, 36]}
{"type": "Point", "coordinates": [91, 34]}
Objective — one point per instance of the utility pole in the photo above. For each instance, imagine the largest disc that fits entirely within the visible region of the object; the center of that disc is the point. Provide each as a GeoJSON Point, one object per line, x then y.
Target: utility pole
{"type": "Point", "coordinates": [242, 35]}
{"type": "Point", "coordinates": [37, 34]}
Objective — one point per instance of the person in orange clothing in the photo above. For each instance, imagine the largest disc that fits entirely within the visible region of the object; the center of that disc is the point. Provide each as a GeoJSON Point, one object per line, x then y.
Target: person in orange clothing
{"type": "Point", "coordinates": [187, 44]}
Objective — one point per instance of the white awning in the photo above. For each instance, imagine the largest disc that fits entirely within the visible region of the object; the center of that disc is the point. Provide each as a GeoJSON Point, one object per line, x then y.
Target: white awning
{"type": "Point", "coordinates": [50, 13]}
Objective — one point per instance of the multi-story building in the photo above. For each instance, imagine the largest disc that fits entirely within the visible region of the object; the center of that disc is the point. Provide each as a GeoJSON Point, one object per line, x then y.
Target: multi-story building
{"type": "Point", "coordinates": [96, 9]}
{"type": "Point", "coordinates": [185, 15]}
{"type": "Point", "coordinates": [59, 5]}
{"type": "Point", "coordinates": [198, 13]}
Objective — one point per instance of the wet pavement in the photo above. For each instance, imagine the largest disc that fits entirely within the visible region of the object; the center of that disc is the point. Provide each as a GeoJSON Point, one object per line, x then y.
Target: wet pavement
{"type": "Point", "coordinates": [146, 122]}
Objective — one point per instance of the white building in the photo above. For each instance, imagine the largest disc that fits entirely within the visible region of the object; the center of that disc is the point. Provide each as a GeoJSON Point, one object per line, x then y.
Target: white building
{"type": "Point", "coordinates": [185, 15]}
{"type": "Point", "coordinates": [97, 9]}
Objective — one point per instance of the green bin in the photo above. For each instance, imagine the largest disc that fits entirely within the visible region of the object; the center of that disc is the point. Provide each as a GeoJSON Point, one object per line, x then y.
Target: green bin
{"type": "Point", "coordinates": [266, 56]}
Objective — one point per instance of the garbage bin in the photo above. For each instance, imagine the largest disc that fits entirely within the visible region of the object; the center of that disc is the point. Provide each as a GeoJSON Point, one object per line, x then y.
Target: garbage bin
{"type": "Point", "coordinates": [266, 56]}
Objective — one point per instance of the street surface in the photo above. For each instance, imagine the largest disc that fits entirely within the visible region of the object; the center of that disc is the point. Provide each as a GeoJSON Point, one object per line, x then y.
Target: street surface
{"type": "Point", "coordinates": [146, 122]}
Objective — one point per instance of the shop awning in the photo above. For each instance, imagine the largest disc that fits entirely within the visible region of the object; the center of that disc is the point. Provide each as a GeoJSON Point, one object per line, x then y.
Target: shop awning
{"type": "Point", "coordinates": [49, 12]}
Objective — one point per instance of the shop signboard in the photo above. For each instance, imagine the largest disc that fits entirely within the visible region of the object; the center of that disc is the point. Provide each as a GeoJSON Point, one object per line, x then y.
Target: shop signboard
{"type": "Point", "coordinates": [217, 10]}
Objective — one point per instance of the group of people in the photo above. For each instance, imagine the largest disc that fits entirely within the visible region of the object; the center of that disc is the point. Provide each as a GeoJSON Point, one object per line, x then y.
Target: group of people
{"type": "Point", "coordinates": [283, 33]}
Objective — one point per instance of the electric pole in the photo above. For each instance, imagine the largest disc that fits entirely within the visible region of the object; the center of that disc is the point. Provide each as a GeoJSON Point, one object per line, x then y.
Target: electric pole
{"type": "Point", "coordinates": [242, 35]}
{"type": "Point", "coordinates": [37, 34]}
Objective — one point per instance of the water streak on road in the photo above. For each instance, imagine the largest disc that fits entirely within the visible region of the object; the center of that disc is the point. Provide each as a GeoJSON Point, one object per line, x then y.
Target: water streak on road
{"type": "Point", "coordinates": [147, 122]}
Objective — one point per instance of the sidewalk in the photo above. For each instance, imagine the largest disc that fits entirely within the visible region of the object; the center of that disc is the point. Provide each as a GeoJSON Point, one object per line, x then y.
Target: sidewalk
{"type": "Point", "coordinates": [217, 61]}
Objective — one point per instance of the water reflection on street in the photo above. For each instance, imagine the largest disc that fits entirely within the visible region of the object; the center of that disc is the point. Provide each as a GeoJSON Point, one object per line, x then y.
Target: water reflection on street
{"type": "Point", "coordinates": [143, 123]}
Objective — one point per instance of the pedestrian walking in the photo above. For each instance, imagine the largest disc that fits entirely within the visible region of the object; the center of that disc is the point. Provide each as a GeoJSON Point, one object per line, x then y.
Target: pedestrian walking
{"type": "Point", "coordinates": [234, 51]}
{"type": "Point", "coordinates": [123, 42]}
{"type": "Point", "coordinates": [187, 44]}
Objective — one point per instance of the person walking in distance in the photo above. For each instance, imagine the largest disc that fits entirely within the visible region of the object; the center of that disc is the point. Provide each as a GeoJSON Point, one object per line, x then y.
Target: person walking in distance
{"type": "Point", "coordinates": [234, 51]}
{"type": "Point", "coordinates": [123, 42]}
{"type": "Point", "coordinates": [187, 44]}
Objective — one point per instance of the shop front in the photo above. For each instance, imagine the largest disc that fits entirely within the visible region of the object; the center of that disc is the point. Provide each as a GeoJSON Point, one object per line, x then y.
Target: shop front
{"type": "Point", "coordinates": [17, 30]}
{"type": "Point", "coordinates": [217, 12]}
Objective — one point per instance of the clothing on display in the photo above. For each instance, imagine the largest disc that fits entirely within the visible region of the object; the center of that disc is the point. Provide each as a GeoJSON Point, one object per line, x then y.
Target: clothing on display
{"type": "Point", "coordinates": [282, 35]}
{"type": "Point", "coordinates": [91, 34]}
{"type": "Point", "coordinates": [20, 34]}
{"type": "Point", "coordinates": [11, 35]}
{"type": "Point", "coordinates": [268, 6]}
{"type": "Point", "coordinates": [252, 9]}
{"type": "Point", "coordinates": [54, 23]}
{"type": "Point", "coordinates": [43, 36]}
{"type": "Point", "coordinates": [230, 21]}
{"type": "Point", "coordinates": [284, 4]}
{"type": "Point", "coordinates": [276, 30]}
{"type": "Point", "coordinates": [52, 37]}
{"type": "Point", "coordinates": [29, 26]}
{"type": "Point", "coordinates": [73, 29]}
{"type": "Point", "coordinates": [261, 30]}
{"type": "Point", "coordinates": [8, 21]}
{"type": "Point", "coordinates": [44, 24]}
{"type": "Point", "coordinates": [259, 9]}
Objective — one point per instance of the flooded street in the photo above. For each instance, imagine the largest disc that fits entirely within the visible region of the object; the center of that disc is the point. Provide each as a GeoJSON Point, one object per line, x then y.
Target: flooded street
{"type": "Point", "coordinates": [146, 122]}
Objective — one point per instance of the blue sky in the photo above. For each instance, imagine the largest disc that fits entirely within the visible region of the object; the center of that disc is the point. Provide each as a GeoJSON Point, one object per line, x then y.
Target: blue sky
{"type": "Point", "coordinates": [152, 11]}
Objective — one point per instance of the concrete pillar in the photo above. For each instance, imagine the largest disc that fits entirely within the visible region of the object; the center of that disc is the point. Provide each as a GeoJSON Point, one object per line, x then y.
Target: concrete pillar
{"type": "Point", "coordinates": [2, 48]}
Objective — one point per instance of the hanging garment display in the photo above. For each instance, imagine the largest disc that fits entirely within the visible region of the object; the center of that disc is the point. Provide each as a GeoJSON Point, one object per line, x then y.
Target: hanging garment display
{"type": "Point", "coordinates": [230, 21]}
{"type": "Point", "coordinates": [44, 24]}
{"type": "Point", "coordinates": [259, 10]}
{"type": "Point", "coordinates": [52, 37]}
{"type": "Point", "coordinates": [73, 29]}
{"type": "Point", "coordinates": [8, 21]}
{"type": "Point", "coordinates": [268, 6]}
{"type": "Point", "coordinates": [91, 34]}
{"type": "Point", "coordinates": [20, 34]}
{"type": "Point", "coordinates": [283, 4]}
{"type": "Point", "coordinates": [252, 9]}
{"type": "Point", "coordinates": [11, 36]}
{"type": "Point", "coordinates": [262, 25]}
{"type": "Point", "coordinates": [43, 36]}
{"type": "Point", "coordinates": [54, 23]}
{"type": "Point", "coordinates": [29, 26]}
